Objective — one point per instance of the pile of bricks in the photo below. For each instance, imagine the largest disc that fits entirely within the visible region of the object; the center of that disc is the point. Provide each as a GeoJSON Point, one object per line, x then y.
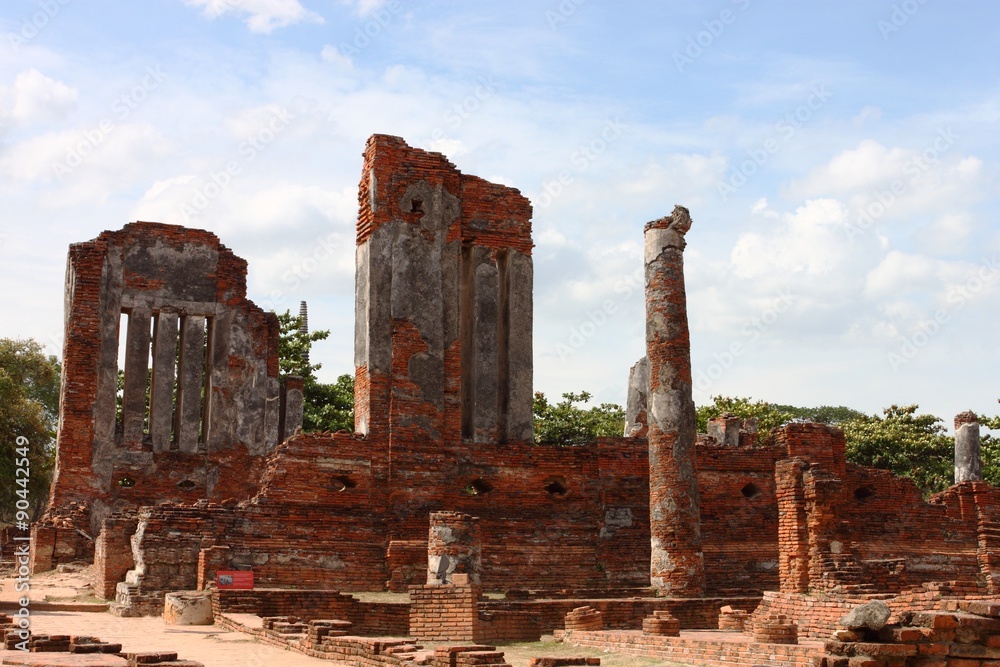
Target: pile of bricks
{"type": "Point", "coordinates": [80, 644]}
{"type": "Point", "coordinates": [969, 638]}
{"type": "Point", "coordinates": [318, 631]}
{"type": "Point", "coordinates": [776, 629]}
{"type": "Point", "coordinates": [564, 662]}
{"type": "Point", "coordinates": [732, 620]}
{"type": "Point", "coordinates": [468, 656]}
{"type": "Point", "coordinates": [661, 623]}
{"type": "Point", "coordinates": [284, 625]}
{"type": "Point", "coordinates": [584, 618]}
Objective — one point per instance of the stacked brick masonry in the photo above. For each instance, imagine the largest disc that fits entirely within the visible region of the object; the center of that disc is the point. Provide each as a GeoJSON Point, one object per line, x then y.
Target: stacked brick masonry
{"type": "Point", "coordinates": [158, 272]}
{"type": "Point", "coordinates": [676, 559]}
{"type": "Point", "coordinates": [850, 529]}
{"type": "Point", "coordinates": [714, 649]}
{"type": "Point", "coordinates": [968, 638]}
{"type": "Point", "coordinates": [818, 616]}
{"type": "Point", "coordinates": [113, 554]}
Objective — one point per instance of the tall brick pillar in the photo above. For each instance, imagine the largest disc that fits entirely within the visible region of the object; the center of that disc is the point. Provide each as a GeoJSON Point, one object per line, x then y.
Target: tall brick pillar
{"type": "Point", "coordinates": [968, 464]}
{"type": "Point", "coordinates": [676, 564]}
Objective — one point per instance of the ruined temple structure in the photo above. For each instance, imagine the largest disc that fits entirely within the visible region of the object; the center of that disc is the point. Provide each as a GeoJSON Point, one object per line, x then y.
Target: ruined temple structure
{"type": "Point", "coordinates": [201, 468]}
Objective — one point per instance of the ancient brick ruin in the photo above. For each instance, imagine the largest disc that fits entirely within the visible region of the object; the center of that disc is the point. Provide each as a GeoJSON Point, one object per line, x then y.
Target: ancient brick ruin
{"type": "Point", "coordinates": [440, 490]}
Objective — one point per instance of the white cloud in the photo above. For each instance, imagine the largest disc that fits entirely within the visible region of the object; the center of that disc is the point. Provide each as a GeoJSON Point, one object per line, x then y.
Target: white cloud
{"type": "Point", "coordinates": [366, 7]}
{"type": "Point", "coordinates": [333, 55]}
{"type": "Point", "coordinates": [35, 97]}
{"type": "Point", "coordinates": [265, 16]}
{"type": "Point", "coordinates": [811, 241]}
{"type": "Point", "coordinates": [868, 166]}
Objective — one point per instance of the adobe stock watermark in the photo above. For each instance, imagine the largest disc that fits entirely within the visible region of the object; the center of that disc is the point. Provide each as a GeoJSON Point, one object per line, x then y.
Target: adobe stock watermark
{"type": "Point", "coordinates": [901, 14]}
{"type": "Point", "coordinates": [121, 109]}
{"type": "Point", "coordinates": [219, 181]}
{"type": "Point", "coordinates": [562, 12]}
{"type": "Point", "coordinates": [784, 130]}
{"type": "Point", "coordinates": [882, 200]}
{"type": "Point", "coordinates": [22, 550]}
{"type": "Point", "coordinates": [958, 297]}
{"type": "Point", "coordinates": [324, 249]}
{"type": "Point", "coordinates": [751, 330]}
{"type": "Point", "coordinates": [465, 108]}
{"type": "Point", "coordinates": [371, 30]}
{"type": "Point", "coordinates": [581, 159]}
{"type": "Point", "coordinates": [580, 334]}
{"type": "Point", "coordinates": [32, 26]}
{"type": "Point", "coordinates": [705, 38]}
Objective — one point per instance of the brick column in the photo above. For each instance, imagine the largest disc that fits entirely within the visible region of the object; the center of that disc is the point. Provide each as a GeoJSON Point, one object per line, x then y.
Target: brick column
{"type": "Point", "coordinates": [453, 545]}
{"type": "Point", "coordinates": [676, 565]}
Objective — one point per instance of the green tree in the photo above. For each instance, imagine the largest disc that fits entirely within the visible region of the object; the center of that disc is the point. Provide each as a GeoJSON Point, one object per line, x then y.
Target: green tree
{"type": "Point", "coordinates": [824, 414]}
{"type": "Point", "coordinates": [565, 423]}
{"type": "Point", "coordinates": [29, 414]}
{"type": "Point", "coordinates": [327, 407]}
{"type": "Point", "coordinates": [904, 442]}
{"type": "Point", "coordinates": [769, 415]}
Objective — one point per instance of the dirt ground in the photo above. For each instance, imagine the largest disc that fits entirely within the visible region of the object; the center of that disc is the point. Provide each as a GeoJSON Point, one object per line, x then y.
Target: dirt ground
{"type": "Point", "coordinates": [215, 646]}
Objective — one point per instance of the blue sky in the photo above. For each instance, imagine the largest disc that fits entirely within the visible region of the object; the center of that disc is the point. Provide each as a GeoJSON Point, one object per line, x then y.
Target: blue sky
{"type": "Point", "coordinates": [840, 162]}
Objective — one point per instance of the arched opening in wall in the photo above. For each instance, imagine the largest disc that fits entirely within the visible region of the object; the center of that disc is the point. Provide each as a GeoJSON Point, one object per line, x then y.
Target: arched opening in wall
{"type": "Point", "coordinates": [186, 485]}
{"type": "Point", "coordinates": [863, 493]}
{"type": "Point", "coordinates": [751, 491]}
{"type": "Point", "coordinates": [416, 205]}
{"type": "Point", "coordinates": [126, 482]}
{"type": "Point", "coordinates": [339, 483]}
{"type": "Point", "coordinates": [477, 487]}
{"type": "Point", "coordinates": [556, 487]}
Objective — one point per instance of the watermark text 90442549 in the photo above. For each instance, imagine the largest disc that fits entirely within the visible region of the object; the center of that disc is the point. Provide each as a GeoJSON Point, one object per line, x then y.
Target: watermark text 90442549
{"type": "Point", "coordinates": [22, 550]}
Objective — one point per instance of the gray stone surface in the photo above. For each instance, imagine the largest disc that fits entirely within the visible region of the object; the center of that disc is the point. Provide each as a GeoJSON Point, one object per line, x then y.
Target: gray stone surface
{"type": "Point", "coordinates": [161, 400]}
{"type": "Point", "coordinates": [136, 369]}
{"type": "Point", "coordinates": [968, 461]}
{"type": "Point", "coordinates": [635, 403]}
{"type": "Point", "coordinates": [190, 382]}
{"type": "Point", "coordinates": [520, 373]}
{"type": "Point", "coordinates": [872, 616]}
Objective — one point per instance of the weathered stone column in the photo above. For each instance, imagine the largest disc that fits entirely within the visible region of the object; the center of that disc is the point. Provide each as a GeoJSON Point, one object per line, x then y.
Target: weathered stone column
{"type": "Point", "coordinates": [676, 565]}
{"type": "Point", "coordinates": [636, 422]}
{"type": "Point", "coordinates": [454, 546]}
{"type": "Point", "coordinates": [968, 465]}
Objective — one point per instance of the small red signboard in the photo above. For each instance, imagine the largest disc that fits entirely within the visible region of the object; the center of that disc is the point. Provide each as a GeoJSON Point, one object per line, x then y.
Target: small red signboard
{"type": "Point", "coordinates": [234, 579]}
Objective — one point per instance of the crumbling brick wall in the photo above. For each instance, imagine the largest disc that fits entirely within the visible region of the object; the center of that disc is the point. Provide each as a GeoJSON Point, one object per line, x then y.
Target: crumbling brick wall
{"type": "Point", "coordinates": [201, 403]}
{"type": "Point", "coordinates": [850, 529]}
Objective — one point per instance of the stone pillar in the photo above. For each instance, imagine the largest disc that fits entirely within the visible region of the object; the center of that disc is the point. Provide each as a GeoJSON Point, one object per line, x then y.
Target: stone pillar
{"type": "Point", "coordinates": [968, 465]}
{"type": "Point", "coordinates": [676, 564]}
{"type": "Point", "coordinates": [454, 546]}
{"type": "Point", "coordinates": [136, 368]}
{"type": "Point", "coordinates": [190, 383]}
{"type": "Point", "coordinates": [161, 397]}
{"type": "Point", "coordinates": [292, 406]}
{"type": "Point", "coordinates": [636, 421]}
{"type": "Point", "coordinates": [725, 429]}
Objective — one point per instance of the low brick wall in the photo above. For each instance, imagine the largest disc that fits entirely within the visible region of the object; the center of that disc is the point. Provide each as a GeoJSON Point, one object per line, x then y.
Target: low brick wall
{"type": "Point", "coordinates": [817, 616]}
{"type": "Point", "coordinates": [625, 614]}
{"type": "Point", "coordinates": [711, 648]}
{"type": "Point", "coordinates": [369, 618]}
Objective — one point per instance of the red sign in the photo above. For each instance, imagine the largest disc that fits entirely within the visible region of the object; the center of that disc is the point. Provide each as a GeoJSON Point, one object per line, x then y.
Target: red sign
{"type": "Point", "coordinates": [234, 579]}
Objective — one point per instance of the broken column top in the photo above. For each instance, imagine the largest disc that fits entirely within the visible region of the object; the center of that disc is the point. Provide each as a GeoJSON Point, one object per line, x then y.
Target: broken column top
{"type": "Point", "coordinates": [491, 214]}
{"type": "Point", "coordinates": [667, 232]}
{"type": "Point", "coordinates": [967, 417]}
